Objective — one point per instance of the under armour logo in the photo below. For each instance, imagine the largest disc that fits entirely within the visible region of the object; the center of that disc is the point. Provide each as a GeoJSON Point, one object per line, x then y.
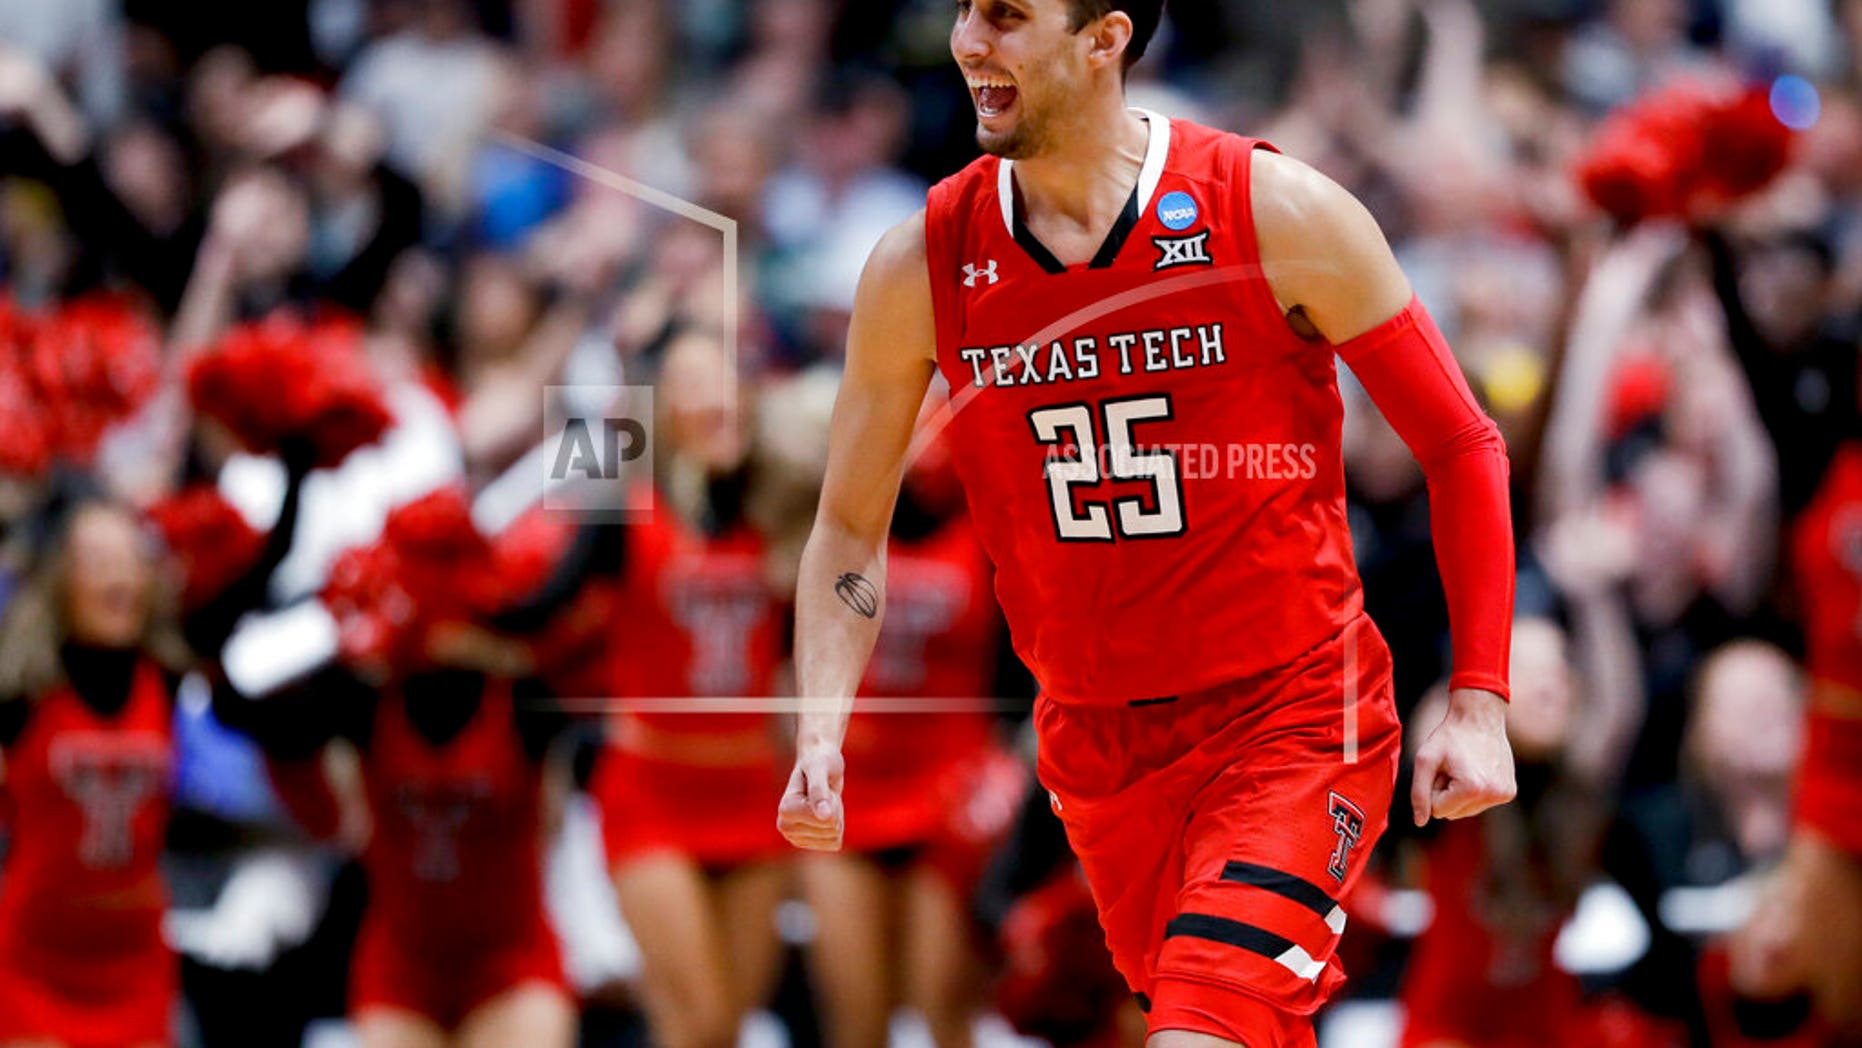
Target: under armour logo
{"type": "Point", "coordinates": [1348, 824]}
{"type": "Point", "coordinates": [970, 273]}
{"type": "Point", "coordinates": [1192, 250]}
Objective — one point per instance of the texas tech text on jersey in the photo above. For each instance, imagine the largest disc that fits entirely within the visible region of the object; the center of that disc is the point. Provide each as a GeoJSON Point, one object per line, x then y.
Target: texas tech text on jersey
{"type": "Point", "coordinates": [1150, 351]}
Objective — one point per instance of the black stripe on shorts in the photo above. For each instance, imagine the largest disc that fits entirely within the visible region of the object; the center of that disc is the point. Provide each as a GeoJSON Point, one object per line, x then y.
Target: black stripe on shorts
{"type": "Point", "coordinates": [1285, 885]}
{"type": "Point", "coordinates": [1230, 933]}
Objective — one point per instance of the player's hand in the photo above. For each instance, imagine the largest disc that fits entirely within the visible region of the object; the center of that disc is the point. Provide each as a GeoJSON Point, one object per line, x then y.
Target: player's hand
{"type": "Point", "coordinates": [1465, 766]}
{"type": "Point", "coordinates": [810, 815]}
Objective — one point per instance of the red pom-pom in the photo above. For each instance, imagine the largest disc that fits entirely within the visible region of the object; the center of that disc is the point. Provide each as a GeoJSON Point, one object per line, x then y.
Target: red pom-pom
{"type": "Point", "coordinates": [16, 326]}
{"type": "Point", "coordinates": [430, 566]}
{"type": "Point", "coordinates": [1686, 147]}
{"type": "Point", "coordinates": [1746, 148]}
{"type": "Point", "coordinates": [1058, 981]}
{"type": "Point", "coordinates": [444, 561]}
{"type": "Point", "coordinates": [279, 379]}
{"type": "Point", "coordinates": [210, 538]}
{"type": "Point", "coordinates": [66, 377]}
{"type": "Point", "coordinates": [373, 613]}
{"type": "Point", "coordinates": [26, 436]}
{"type": "Point", "coordinates": [528, 549]}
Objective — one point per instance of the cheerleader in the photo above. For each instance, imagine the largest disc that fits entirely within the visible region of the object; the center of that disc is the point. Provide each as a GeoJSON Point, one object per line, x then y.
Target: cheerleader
{"type": "Point", "coordinates": [1805, 934]}
{"type": "Point", "coordinates": [91, 650]}
{"type": "Point", "coordinates": [697, 863]}
{"type": "Point", "coordinates": [89, 656]}
{"type": "Point", "coordinates": [453, 751]}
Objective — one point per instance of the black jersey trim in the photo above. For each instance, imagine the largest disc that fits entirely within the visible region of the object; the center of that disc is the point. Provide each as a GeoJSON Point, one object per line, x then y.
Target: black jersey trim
{"type": "Point", "coordinates": [1119, 233]}
{"type": "Point", "coordinates": [1108, 249]}
{"type": "Point", "coordinates": [1036, 250]}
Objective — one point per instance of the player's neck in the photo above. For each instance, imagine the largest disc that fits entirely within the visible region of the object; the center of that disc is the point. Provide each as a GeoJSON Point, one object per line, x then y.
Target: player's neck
{"type": "Point", "coordinates": [1077, 174]}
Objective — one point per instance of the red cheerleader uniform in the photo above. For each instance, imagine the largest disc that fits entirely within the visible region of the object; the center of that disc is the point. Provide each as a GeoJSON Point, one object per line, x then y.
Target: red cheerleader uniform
{"type": "Point", "coordinates": [455, 867]}
{"type": "Point", "coordinates": [697, 620]}
{"type": "Point", "coordinates": [1469, 983]}
{"type": "Point", "coordinates": [82, 960]}
{"type": "Point", "coordinates": [932, 779]}
{"type": "Point", "coordinates": [1827, 558]}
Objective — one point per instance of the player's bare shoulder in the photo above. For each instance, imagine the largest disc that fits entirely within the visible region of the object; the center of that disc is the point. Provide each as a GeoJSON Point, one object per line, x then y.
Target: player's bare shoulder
{"type": "Point", "coordinates": [893, 312]}
{"type": "Point", "coordinates": [1321, 249]}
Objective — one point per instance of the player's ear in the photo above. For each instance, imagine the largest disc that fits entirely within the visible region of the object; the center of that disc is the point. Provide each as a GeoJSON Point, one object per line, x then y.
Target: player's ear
{"type": "Point", "coordinates": [1108, 37]}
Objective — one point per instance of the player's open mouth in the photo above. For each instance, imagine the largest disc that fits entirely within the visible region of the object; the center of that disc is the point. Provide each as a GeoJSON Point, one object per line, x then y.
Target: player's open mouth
{"type": "Point", "coordinates": [993, 96]}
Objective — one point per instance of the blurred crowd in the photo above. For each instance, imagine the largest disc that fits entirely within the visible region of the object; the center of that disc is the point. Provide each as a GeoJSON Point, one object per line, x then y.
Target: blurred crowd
{"type": "Point", "coordinates": [360, 699]}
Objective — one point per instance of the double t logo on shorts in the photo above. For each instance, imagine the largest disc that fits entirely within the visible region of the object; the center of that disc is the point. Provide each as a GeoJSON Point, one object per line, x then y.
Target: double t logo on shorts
{"type": "Point", "coordinates": [1348, 823]}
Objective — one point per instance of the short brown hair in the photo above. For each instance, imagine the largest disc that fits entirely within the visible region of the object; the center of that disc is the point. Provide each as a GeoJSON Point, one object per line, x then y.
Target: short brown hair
{"type": "Point", "coordinates": [1144, 15]}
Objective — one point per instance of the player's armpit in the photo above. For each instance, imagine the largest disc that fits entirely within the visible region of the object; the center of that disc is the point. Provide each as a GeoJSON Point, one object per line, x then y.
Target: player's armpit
{"type": "Point", "coordinates": [1406, 367]}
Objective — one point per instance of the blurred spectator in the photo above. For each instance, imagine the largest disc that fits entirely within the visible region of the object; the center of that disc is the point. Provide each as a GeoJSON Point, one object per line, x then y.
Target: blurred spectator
{"type": "Point", "coordinates": [436, 86]}
{"type": "Point", "coordinates": [1728, 815]}
{"type": "Point", "coordinates": [80, 43]}
{"type": "Point", "coordinates": [1637, 44]}
{"type": "Point", "coordinates": [1504, 885]}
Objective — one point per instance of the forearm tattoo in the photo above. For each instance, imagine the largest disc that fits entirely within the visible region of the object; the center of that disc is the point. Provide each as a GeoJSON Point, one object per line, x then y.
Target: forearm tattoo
{"type": "Point", "coordinates": [855, 591]}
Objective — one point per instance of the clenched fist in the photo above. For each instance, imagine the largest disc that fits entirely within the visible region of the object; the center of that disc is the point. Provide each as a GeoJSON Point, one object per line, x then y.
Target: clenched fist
{"type": "Point", "coordinates": [810, 815]}
{"type": "Point", "coordinates": [1465, 766]}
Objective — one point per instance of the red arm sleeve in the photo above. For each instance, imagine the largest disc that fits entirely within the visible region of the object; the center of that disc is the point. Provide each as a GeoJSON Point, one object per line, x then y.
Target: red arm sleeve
{"type": "Point", "coordinates": [1407, 368]}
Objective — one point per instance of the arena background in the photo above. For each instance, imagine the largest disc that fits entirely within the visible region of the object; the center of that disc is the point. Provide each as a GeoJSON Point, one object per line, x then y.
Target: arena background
{"type": "Point", "coordinates": [469, 201]}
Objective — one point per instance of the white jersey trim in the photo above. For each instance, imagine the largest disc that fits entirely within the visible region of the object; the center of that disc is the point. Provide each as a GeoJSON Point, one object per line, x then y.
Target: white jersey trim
{"type": "Point", "coordinates": [1156, 151]}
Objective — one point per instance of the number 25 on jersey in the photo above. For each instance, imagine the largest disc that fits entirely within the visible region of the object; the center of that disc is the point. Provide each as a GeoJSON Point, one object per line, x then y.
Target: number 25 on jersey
{"type": "Point", "coordinates": [1077, 462]}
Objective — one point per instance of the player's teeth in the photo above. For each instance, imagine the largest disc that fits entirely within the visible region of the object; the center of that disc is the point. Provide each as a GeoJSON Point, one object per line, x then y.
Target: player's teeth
{"type": "Point", "coordinates": [993, 99]}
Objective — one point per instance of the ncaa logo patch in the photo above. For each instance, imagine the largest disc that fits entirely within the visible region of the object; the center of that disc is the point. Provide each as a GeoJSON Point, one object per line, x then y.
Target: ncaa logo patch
{"type": "Point", "coordinates": [1177, 211]}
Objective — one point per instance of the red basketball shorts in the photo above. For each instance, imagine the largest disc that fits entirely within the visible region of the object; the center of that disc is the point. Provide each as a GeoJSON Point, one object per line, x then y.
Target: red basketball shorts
{"type": "Point", "coordinates": [1220, 830]}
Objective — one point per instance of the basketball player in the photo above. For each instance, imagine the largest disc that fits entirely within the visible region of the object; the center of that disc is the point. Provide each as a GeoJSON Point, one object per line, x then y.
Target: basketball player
{"type": "Point", "coordinates": [1139, 319]}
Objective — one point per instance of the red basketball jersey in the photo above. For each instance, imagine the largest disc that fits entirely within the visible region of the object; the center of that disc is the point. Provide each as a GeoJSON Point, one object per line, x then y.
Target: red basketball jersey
{"type": "Point", "coordinates": [1151, 456]}
{"type": "Point", "coordinates": [1826, 555]}
{"type": "Point", "coordinates": [87, 798]}
{"type": "Point", "coordinates": [698, 619]}
{"type": "Point", "coordinates": [455, 859]}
